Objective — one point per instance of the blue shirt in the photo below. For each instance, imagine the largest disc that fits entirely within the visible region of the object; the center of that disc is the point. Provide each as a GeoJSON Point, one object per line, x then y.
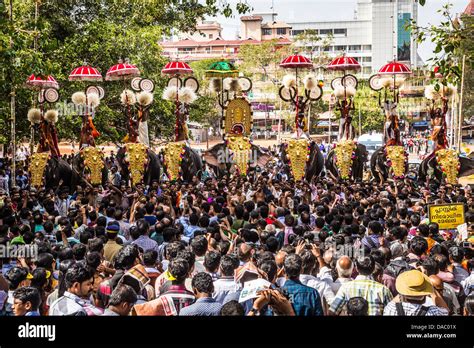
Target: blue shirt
{"type": "Point", "coordinates": [205, 306]}
{"type": "Point", "coordinates": [189, 229]}
{"type": "Point", "coordinates": [304, 299]}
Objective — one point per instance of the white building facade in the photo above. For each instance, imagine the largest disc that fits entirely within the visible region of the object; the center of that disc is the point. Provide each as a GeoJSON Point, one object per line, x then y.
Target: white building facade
{"type": "Point", "coordinates": [375, 36]}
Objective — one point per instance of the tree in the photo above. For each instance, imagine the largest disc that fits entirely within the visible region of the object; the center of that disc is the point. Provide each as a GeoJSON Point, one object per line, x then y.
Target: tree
{"type": "Point", "coordinates": [450, 37]}
{"type": "Point", "coordinates": [65, 33]}
{"type": "Point", "coordinates": [262, 58]}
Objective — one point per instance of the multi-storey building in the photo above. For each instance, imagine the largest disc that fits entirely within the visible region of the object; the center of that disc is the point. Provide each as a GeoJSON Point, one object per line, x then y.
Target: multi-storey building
{"type": "Point", "coordinates": [376, 35]}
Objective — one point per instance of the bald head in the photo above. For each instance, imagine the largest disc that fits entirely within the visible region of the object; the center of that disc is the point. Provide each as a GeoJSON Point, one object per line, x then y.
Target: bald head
{"type": "Point", "coordinates": [344, 267]}
{"type": "Point", "coordinates": [280, 258]}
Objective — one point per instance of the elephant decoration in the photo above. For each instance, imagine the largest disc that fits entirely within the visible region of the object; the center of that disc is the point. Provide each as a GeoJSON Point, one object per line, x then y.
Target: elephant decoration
{"type": "Point", "coordinates": [88, 164]}
{"type": "Point", "coordinates": [391, 160]}
{"type": "Point", "coordinates": [237, 154]}
{"type": "Point", "coordinates": [178, 158]}
{"type": "Point", "coordinates": [46, 166]}
{"type": "Point", "coordinates": [138, 164]}
{"type": "Point", "coordinates": [347, 159]}
{"type": "Point", "coordinates": [301, 156]}
{"type": "Point", "coordinates": [137, 161]}
{"type": "Point", "coordinates": [442, 165]}
{"type": "Point", "coordinates": [303, 159]}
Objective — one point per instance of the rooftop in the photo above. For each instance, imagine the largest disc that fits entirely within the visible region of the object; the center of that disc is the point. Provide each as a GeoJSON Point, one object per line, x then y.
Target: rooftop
{"type": "Point", "coordinates": [251, 18]}
{"type": "Point", "coordinates": [217, 42]}
{"type": "Point", "coordinates": [276, 25]}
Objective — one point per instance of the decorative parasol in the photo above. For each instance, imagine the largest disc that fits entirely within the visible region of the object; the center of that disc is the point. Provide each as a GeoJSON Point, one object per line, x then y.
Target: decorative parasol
{"type": "Point", "coordinates": [344, 63]}
{"type": "Point", "coordinates": [394, 68]}
{"type": "Point", "coordinates": [222, 69]}
{"type": "Point", "coordinates": [38, 82]}
{"type": "Point", "coordinates": [85, 73]}
{"type": "Point", "coordinates": [122, 71]}
{"type": "Point", "coordinates": [296, 61]}
{"type": "Point", "coordinates": [177, 68]}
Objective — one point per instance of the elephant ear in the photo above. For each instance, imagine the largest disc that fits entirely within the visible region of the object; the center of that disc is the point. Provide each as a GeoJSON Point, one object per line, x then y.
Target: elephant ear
{"type": "Point", "coordinates": [210, 158]}
{"type": "Point", "coordinates": [262, 157]}
{"type": "Point", "coordinates": [467, 166]}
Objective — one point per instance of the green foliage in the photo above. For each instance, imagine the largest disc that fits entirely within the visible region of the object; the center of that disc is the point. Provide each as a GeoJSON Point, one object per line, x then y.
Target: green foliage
{"type": "Point", "coordinates": [69, 32]}
{"type": "Point", "coordinates": [263, 58]}
{"type": "Point", "coordinates": [449, 36]}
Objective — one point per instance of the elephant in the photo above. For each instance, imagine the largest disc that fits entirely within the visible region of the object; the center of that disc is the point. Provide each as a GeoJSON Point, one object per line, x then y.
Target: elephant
{"type": "Point", "coordinates": [378, 165]}
{"type": "Point", "coordinates": [358, 163]}
{"type": "Point", "coordinates": [58, 173]}
{"type": "Point", "coordinates": [314, 166]}
{"type": "Point", "coordinates": [152, 170]}
{"type": "Point", "coordinates": [80, 172]}
{"type": "Point", "coordinates": [431, 163]}
{"type": "Point", "coordinates": [219, 158]}
{"type": "Point", "coordinates": [191, 164]}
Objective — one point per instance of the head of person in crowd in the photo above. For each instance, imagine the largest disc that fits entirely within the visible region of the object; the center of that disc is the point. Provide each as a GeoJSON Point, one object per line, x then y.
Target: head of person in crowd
{"type": "Point", "coordinates": [122, 300]}
{"type": "Point", "coordinates": [357, 306]}
{"type": "Point", "coordinates": [232, 309]}
{"type": "Point", "coordinates": [79, 280]}
{"type": "Point", "coordinates": [26, 301]}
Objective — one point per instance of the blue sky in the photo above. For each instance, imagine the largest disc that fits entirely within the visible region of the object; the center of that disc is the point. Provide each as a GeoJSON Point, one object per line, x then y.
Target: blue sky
{"type": "Point", "coordinates": [314, 10]}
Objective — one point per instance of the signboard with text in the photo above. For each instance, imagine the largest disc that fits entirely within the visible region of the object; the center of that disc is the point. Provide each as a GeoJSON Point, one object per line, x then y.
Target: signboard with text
{"type": "Point", "coordinates": [447, 216]}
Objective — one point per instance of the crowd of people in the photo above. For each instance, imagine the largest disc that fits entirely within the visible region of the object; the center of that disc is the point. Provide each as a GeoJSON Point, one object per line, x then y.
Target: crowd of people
{"type": "Point", "coordinates": [255, 245]}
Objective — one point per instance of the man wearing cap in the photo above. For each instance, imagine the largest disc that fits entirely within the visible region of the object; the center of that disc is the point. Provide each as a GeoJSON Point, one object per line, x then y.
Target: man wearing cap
{"type": "Point", "coordinates": [413, 288]}
{"type": "Point", "coordinates": [111, 248]}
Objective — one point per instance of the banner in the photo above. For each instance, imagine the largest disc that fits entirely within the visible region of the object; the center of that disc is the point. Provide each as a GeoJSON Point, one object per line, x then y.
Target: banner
{"type": "Point", "coordinates": [447, 216]}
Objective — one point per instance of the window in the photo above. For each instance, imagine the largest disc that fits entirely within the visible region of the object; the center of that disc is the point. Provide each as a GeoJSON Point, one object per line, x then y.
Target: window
{"type": "Point", "coordinates": [340, 48]}
{"type": "Point", "coordinates": [354, 48]}
{"type": "Point", "coordinates": [367, 59]}
{"type": "Point", "coordinates": [327, 48]}
{"type": "Point", "coordinates": [297, 32]}
{"type": "Point", "coordinates": [186, 49]}
{"type": "Point", "coordinates": [325, 31]}
{"type": "Point", "coordinates": [266, 31]}
{"type": "Point", "coordinates": [211, 36]}
{"type": "Point", "coordinates": [367, 70]}
{"type": "Point", "coordinates": [367, 47]}
{"type": "Point", "coordinates": [281, 31]}
{"type": "Point", "coordinates": [340, 31]}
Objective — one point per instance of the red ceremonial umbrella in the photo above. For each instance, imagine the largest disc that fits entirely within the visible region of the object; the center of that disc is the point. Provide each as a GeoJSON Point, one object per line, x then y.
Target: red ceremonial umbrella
{"type": "Point", "coordinates": [121, 71]}
{"type": "Point", "coordinates": [177, 68]}
{"type": "Point", "coordinates": [394, 68]}
{"type": "Point", "coordinates": [344, 63]}
{"type": "Point", "coordinates": [85, 73]}
{"type": "Point", "coordinates": [37, 82]}
{"type": "Point", "coordinates": [296, 61]}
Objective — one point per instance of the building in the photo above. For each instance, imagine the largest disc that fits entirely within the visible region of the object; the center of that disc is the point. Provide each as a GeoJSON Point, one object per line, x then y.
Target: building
{"type": "Point", "coordinates": [207, 42]}
{"type": "Point", "coordinates": [375, 36]}
{"type": "Point", "coordinates": [205, 31]}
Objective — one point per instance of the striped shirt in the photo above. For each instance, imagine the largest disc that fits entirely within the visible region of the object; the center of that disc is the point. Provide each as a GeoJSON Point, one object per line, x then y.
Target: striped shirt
{"type": "Point", "coordinates": [376, 294]}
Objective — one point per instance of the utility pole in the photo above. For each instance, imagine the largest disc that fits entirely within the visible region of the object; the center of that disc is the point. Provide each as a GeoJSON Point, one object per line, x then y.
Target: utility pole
{"type": "Point", "coordinates": [460, 119]}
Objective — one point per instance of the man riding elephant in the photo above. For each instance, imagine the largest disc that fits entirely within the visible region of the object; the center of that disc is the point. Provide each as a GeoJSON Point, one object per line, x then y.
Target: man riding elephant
{"type": "Point", "coordinates": [347, 159]}
{"type": "Point", "coordinates": [46, 167]}
{"type": "Point", "coordinates": [445, 164]}
{"type": "Point", "coordinates": [391, 160]}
